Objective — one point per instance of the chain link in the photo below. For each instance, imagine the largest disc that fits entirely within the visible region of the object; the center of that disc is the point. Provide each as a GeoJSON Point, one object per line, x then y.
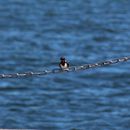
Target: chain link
{"type": "Point", "coordinates": [71, 69]}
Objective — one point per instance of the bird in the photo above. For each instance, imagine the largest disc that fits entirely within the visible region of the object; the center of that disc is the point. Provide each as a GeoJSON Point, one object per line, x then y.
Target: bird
{"type": "Point", "coordinates": [64, 65]}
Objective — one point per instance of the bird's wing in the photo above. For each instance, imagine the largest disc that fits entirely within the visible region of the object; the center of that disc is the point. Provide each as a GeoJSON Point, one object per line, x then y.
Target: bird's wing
{"type": "Point", "coordinates": [68, 64]}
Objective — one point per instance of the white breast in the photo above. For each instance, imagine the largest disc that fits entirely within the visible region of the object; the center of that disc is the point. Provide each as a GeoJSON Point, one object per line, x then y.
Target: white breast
{"type": "Point", "coordinates": [65, 66]}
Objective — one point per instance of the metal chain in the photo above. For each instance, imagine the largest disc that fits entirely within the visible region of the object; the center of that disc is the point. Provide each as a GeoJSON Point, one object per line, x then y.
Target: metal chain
{"type": "Point", "coordinates": [71, 69]}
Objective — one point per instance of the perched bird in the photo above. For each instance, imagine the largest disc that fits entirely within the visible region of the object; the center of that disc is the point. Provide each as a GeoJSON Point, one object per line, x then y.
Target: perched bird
{"type": "Point", "coordinates": [63, 64]}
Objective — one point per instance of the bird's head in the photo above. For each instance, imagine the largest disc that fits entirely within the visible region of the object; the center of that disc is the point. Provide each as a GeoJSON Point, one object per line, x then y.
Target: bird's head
{"type": "Point", "coordinates": [62, 59]}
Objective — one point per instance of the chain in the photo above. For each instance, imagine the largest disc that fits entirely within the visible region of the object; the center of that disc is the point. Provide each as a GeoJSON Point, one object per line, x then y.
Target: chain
{"type": "Point", "coordinates": [71, 69]}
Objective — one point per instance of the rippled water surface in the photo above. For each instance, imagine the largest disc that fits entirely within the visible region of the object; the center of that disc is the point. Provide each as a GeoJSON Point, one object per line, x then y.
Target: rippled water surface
{"type": "Point", "coordinates": [34, 34]}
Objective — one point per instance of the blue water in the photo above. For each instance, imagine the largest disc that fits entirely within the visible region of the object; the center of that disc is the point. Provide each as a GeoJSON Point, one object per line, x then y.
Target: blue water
{"type": "Point", "coordinates": [34, 34]}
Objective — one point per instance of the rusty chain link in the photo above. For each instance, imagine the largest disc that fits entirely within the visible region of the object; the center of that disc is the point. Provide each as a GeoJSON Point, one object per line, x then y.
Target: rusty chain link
{"type": "Point", "coordinates": [71, 69]}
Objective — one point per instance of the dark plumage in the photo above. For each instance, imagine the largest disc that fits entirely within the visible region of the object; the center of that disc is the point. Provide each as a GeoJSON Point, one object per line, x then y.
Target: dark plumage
{"type": "Point", "coordinates": [63, 63]}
